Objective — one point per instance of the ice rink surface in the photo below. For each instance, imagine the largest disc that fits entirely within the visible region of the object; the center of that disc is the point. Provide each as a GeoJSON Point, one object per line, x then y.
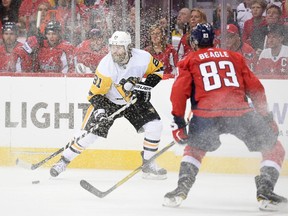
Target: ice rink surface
{"type": "Point", "coordinates": [212, 194]}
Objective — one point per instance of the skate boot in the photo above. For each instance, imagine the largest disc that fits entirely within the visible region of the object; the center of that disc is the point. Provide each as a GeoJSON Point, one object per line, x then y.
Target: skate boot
{"type": "Point", "coordinates": [152, 171]}
{"type": "Point", "coordinates": [268, 200]}
{"type": "Point", "coordinates": [175, 197]}
{"type": "Point", "coordinates": [59, 167]}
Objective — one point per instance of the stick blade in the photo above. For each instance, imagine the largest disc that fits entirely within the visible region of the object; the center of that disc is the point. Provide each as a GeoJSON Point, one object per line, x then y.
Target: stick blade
{"type": "Point", "coordinates": [90, 188]}
{"type": "Point", "coordinates": [23, 164]}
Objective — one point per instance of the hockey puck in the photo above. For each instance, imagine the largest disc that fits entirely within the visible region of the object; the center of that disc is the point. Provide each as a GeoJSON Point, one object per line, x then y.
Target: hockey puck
{"type": "Point", "coordinates": [36, 182]}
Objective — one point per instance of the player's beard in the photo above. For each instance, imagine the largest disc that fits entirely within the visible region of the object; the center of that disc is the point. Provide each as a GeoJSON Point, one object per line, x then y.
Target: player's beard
{"type": "Point", "coordinates": [10, 43]}
{"type": "Point", "coordinates": [120, 58]}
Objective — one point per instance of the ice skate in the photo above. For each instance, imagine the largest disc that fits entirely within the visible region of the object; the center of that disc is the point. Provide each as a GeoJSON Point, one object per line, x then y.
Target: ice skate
{"type": "Point", "coordinates": [175, 197]}
{"type": "Point", "coordinates": [59, 167]}
{"type": "Point", "coordinates": [268, 200]}
{"type": "Point", "coordinates": [152, 171]}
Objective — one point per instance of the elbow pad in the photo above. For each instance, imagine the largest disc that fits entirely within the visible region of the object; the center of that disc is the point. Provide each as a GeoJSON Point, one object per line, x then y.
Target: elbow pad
{"type": "Point", "coordinates": [152, 80]}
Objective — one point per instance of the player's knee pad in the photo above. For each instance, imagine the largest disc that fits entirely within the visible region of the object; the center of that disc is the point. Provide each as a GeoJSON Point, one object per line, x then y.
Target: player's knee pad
{"type": "Point", "coordinates": [153, 130]}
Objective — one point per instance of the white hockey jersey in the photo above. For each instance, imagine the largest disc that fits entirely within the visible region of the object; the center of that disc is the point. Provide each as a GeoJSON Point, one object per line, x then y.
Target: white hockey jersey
{"type": "Point", "coordinates": [274, 65]}
{"type": "Point", "coordinates": [109, 74]}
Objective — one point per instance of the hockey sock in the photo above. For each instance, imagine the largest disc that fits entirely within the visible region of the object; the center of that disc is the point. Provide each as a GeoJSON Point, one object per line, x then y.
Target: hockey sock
{"type": "Point", "coordinates": [76, 148]}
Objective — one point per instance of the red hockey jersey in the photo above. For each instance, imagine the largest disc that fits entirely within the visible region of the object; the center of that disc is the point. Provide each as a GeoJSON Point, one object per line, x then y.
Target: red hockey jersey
{"type": "Point", "coordinates": [58, 59]}
{"type": "Point", "coordinates": [90, 58]}
{"type": "Point", "coordinates": [249, 54]}
{"type": "Point", "coordinates": [217, 81]}
{"type": "Point", "coordinates": [8, 60]}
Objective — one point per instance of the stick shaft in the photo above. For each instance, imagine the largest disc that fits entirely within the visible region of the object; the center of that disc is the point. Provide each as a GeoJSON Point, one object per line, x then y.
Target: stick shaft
{"type": "Point", "coordinates": [87, 186]}
{"type": "Point", "coordinates": [111, 117]}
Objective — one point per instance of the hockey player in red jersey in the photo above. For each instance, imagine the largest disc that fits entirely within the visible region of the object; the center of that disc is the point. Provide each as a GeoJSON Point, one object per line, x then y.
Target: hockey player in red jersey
{"type": "Point", "coordinates": [56, 55]}
{"type": "Point", "coordinates": [217, 82]}
{"type": "Point", "coordinates": [89, 53]}
{"type": "Point", "coordinates": [10, 43]}
{"type": "Point", "coordinates": [26, 55]}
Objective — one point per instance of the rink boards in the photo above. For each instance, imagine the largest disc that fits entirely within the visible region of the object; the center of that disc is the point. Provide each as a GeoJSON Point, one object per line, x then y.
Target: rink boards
{"type": "Point", "coordinates": [39, 115]}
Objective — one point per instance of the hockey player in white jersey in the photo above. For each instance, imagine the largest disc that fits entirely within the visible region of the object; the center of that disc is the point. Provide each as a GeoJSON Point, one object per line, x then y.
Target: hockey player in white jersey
{"type": "Point", "coordinates": [118, 78]}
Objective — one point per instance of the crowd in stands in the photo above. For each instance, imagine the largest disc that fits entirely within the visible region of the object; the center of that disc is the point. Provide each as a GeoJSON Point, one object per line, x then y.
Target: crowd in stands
{"type": "Point", "coordinates": [44, 36]}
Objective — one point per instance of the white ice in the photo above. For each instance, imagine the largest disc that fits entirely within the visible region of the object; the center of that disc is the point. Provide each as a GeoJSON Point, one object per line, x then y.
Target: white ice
{"type": "Point", "coordinates": [212, 194]}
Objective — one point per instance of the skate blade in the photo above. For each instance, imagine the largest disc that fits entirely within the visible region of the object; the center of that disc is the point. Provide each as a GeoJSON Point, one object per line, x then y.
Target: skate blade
{"type": "Point", "coordinates": [270, 206]}
{"type": "Point", "coordinates": [152, 176]}
{"type": "Point", "coordinates": [172, 202]}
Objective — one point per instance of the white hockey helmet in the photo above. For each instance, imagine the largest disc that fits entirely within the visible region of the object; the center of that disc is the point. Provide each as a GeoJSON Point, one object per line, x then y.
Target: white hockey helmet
{"type": "Point", "coordinates": [120, 38]}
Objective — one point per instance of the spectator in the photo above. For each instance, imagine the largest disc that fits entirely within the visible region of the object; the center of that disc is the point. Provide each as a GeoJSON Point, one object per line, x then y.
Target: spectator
{"type": "Point", "coordinates": [9, 10]}
{"type": "Point", "coordinates": [234, 43]}
{"type": "Point", "coordinates": [243, 13]}
{"type": "Point", "coordinates": [217, 18]}
{"type": "Point", "coordinates": [43, 7]}
{"type": "Point", "coordinates": [131, 25]}
{"type": "Point", "coordinates": [274, 59]}
{"type": "Point", "coordinates": [10, 43]}
{"type": "Point", "coordinates": [197, 16]}
{"type": "Point", "coordinates": [161, 50]}
{"type": "Point", "coordinates": [56, 55]}
{"type": "Point", "coordinates": [98, 21]}
{"type": "Point", "coordinates": [258, 7]}
{"type": "Point", "coordinates": [217, 22]}
{"type": "Point", "coordinates": [181, 27]}
{"type": "Point", "coordinates": [89, 53]}
{"type": "Point", "coordinates": [62, 13]}
{"type": "Point", "coordinates": [258, 36]}
{"type": "Point", "coordinates": [27, 13]}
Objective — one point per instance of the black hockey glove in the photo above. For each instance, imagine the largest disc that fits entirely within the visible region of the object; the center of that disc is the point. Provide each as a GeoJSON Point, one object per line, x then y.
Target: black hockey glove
{"type": "Point", "coordinates": [142, 92]}
{"type": "Point", "coordinates": [179, 130]}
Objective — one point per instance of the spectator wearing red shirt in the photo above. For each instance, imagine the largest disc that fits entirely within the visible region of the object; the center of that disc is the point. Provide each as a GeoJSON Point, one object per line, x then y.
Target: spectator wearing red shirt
{"type": "Point", "coordinates": [88, 54]}
{"type": "Point", "coordinates": [258, 7]}
{"type": "Point", "coordinates": [259, 35]}
{"type": "Point", "coordinates": [234, 43]}
{"type": "Point", "coordinates": [56, 55]}
{"type": "Point", "coordinates": [10, 43]}
{"type": "Point", "coordinates": [73, 31]}
{"type": "Point", "coordinates": [160, 50]}
{"type": "Point", "coordinates": [197, 16]}
{"type": "Point", "coordinates": [28, 11]}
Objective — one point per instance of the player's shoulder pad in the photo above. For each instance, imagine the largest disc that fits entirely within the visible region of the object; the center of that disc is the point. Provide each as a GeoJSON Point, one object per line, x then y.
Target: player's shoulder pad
{"type": "Point", "coordinates": [106, 65]}
{"type": "Point", "coordinates": [144, 55]}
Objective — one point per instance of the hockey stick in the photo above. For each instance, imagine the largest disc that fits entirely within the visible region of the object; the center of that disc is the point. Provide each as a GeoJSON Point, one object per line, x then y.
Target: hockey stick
{"type": "Point", "coordinates": [87, 186]}
{"type": "Point", "coordinates": [36, 165]}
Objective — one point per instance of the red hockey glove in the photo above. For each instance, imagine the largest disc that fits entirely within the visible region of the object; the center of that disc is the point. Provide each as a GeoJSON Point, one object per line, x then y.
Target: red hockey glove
{"type": "Point", "coordinates": [179, 131]}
